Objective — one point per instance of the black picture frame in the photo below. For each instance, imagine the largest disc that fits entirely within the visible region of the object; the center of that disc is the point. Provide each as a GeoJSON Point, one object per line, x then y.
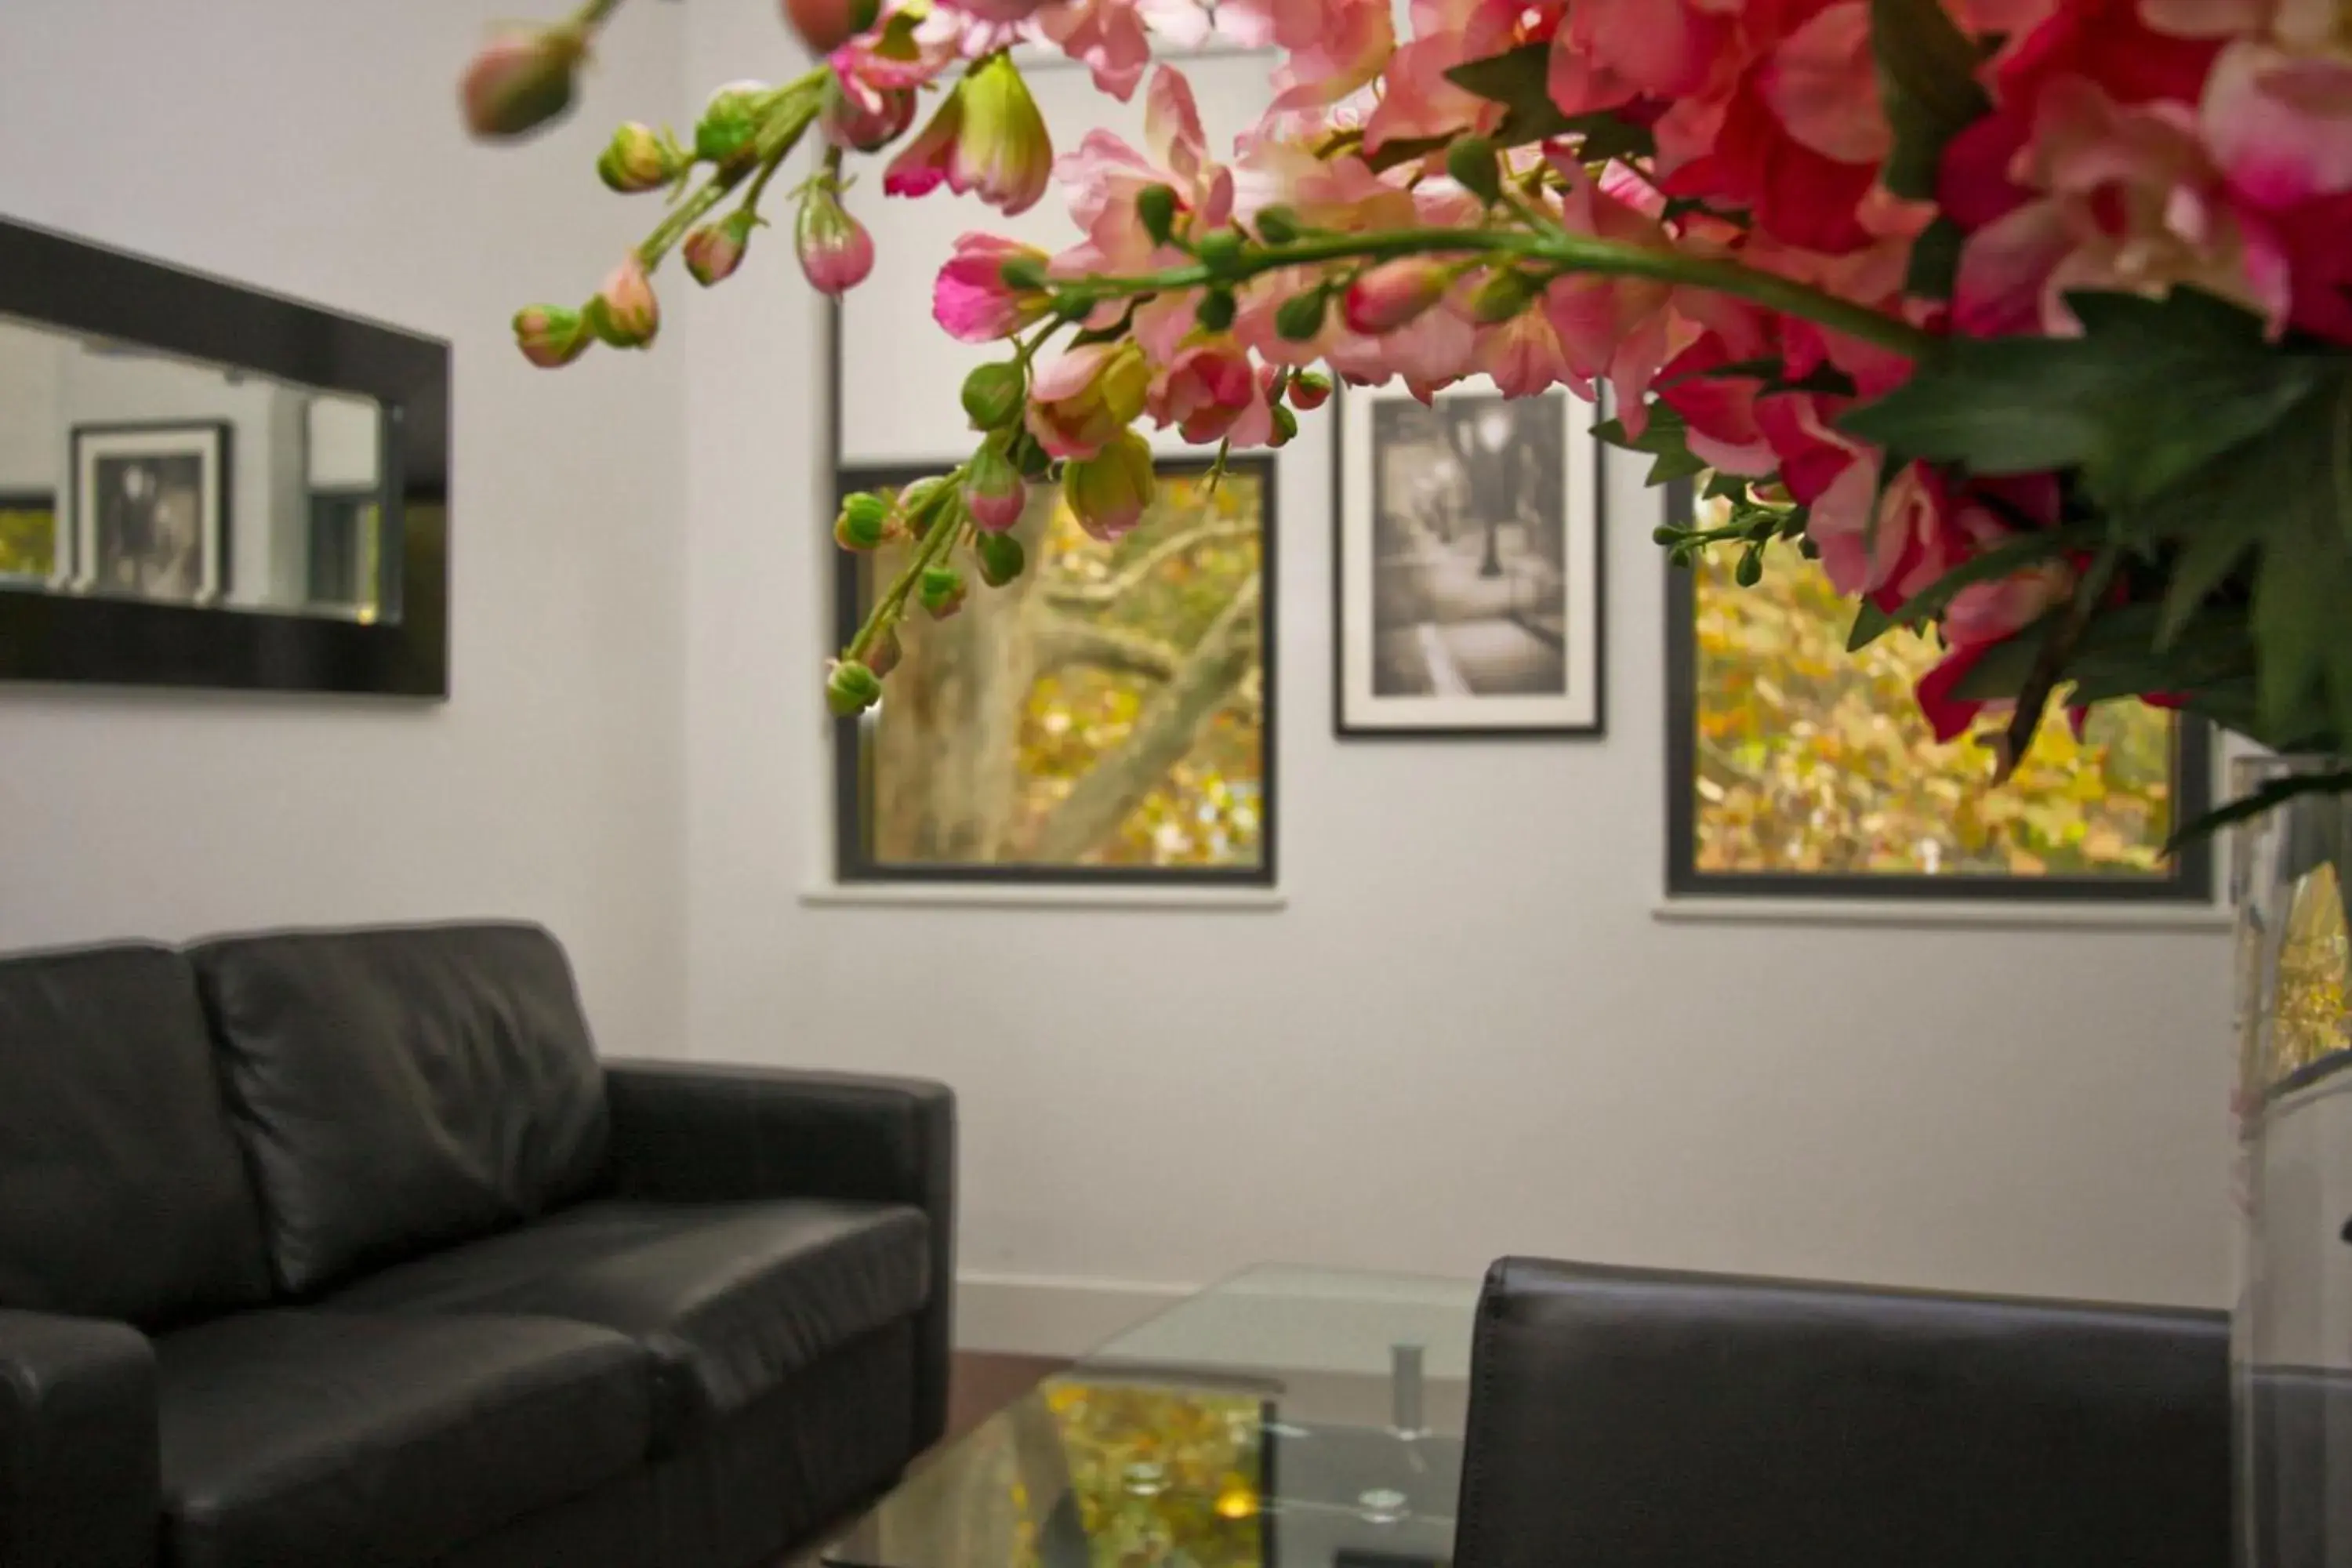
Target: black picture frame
{"type": "Point", "coordinates": [2190, 881]}
{"type": "Point", "coordinates": [216, 438]}
{"type": "Point", "coordinates": [1595, 728]}
{"type": "Point", "coordinates": [854, 862]}
{"type": "Point", "coordinates": [53, 279]}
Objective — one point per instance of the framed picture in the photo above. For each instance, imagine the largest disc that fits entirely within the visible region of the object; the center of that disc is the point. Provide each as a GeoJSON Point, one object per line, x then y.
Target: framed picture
{"type": "Point", "coordinates": [1468, 582]}
{"type": "Point", "coordinates": [1106, 718]}
{"type": "Point", "coordinates": [151, 508]}
{"type": "Point", "coordinates": [29, 553]}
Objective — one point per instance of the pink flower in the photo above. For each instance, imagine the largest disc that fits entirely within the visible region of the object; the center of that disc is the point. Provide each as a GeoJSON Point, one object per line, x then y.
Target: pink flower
{"type": "Point", "coordinates": [1611, 51]}
{"type": "Point", "coordinates": [1385, 297]}
{"type": "Point", "coordinates": [1108, 492]}
{"type": "Point", "coordinates": [1000, 10]}
{"type": "Point", "coordinates": [1821, 84]}
{"type": "Point", "coordinates": [973, 300]}
{"type": "Point", "coordinates": [987, 138]}
{"type": "Point", "coordinates": [1081, 400]}
{"type": "Point", "coordinates": [1417, 100]}
{"type": "Point", "coordinates": [1524, 357]}
{"type": "Point", "coordinates": [1833, 476]}
{"type": "Point", "coordinates": [1212, 392]}
{"type": "Point", "coordinates": [2104, 42]}
{"type": "Point", "coordinates": [2279, 124]}
{"type": "Point", "coordinates": [1719, 412]}
{"type": "Point", "coordinates": [994, 492]}
{"type": "Point", "coordinates": [1333, 47]}
{"type": "Point", "coordinates": [1107, 37]}
{"type": "Point", "coordinates": [867, 122]}
{"type": "Point", "coordinates": [834, 249]}
{"type": "Point", "coordinates": [2131, 202]}
{"type": "Point", "coordinates": [1103, 178]}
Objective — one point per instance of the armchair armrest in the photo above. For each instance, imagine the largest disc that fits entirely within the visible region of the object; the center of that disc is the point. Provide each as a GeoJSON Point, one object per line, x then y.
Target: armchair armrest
{"type": "Point", "coordinates": [699, 1132]}
{"type": "Point", "coordinates": [79, 1465]}
{"type": "Point", "coordinates": [1631, 1416]}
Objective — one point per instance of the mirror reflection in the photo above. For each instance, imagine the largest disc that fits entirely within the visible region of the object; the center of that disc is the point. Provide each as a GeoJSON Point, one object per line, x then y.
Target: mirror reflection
{"type": "Point", "coordinates": [130, 473]}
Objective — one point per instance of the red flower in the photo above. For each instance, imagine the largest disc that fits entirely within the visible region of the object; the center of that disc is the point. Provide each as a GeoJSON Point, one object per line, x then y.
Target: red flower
{"type": "Point", "coordinates": [2105, 42]}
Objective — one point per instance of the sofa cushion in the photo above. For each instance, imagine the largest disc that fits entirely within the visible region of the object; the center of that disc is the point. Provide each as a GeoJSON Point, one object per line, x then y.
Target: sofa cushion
{"type": "Point", "coordinates": [122, 1194]}
{"type": "Point", "coordinates": [299, 1437]}
{"type": "Point", "coordinates": [401, 1090]}
{"type": "Point", "coordinates": [732, 1299]}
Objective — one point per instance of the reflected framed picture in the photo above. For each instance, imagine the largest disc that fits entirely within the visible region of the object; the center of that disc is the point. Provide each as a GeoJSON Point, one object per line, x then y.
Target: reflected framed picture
{"type": "Point", "coordinates": [1106, 717]}
{"type": "Point", "coordinates": [1469, 594]}
{"type": "Point", "coordinates": [29, 554]}
{"type": "Point", "coordinates": [150, 509]}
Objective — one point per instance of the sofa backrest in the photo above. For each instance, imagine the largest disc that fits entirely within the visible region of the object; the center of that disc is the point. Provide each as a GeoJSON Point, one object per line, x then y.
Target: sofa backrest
{"type": "Point", "coordinates": [403, 1088]}
{"type": "Point", "coordinates": [122, 1194]}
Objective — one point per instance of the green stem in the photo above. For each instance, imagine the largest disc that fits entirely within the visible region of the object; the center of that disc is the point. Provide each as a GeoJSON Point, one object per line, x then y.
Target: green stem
{"type": "Point", "coordinates": [1571, 252]}
{"type": "Point", "coordinates": [595, 13]}
{"type": "Point", "coordinates": [936, 540]}
{"type": "Point", "coordinates": [795, 110]}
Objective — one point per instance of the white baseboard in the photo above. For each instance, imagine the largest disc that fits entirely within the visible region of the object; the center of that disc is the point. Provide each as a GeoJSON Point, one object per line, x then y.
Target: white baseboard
{"type": "Point", "coordinates": [1055, 1315]}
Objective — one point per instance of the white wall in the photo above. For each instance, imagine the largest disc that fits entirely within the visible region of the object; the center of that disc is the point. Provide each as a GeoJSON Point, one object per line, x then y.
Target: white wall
{"type": "Point", "coordinates": [314, 150]}
{"type": "Point", "coordinates": [1467, 1034]}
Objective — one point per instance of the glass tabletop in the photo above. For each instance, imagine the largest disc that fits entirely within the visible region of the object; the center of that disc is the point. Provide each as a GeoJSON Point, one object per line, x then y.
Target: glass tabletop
{"type": "Point", "coordinates": [1286, 1418]}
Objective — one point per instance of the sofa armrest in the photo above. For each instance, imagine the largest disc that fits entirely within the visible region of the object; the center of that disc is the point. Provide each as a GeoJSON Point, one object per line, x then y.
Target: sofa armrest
{"type": "Point", "coordinates": [1626, 1415]}
{"type": "Point", "coordinates": [80, 1466]}
{"type": "Point", "coordinates": [698, 1132]}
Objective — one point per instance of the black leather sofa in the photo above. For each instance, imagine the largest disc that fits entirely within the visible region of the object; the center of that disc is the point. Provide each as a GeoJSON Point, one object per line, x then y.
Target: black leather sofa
{"type": "Point", "coordinates": [343, 1249]}
{"type": "Point", "coordinates": [1627, 1418]}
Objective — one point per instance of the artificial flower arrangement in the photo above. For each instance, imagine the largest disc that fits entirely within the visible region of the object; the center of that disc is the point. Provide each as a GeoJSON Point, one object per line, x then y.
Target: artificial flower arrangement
{"type": "Point", "coordinates": [2027, 318]}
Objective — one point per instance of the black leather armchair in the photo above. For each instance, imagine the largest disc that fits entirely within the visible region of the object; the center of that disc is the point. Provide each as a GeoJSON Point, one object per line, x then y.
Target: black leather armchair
{"type": "Point", "coordinates": [1627, 1418]}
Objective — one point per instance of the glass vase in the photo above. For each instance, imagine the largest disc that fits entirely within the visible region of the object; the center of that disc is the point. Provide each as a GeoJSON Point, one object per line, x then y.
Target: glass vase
{"type": "Point", "coordinates": [2292, 1330]}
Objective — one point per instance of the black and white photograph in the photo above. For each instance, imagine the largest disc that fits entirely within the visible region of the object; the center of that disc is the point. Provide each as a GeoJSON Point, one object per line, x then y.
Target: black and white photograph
{"type": "Point", "coordinates": [1469, 565]}
{"type": "Point", "coordinates": [150, 509]}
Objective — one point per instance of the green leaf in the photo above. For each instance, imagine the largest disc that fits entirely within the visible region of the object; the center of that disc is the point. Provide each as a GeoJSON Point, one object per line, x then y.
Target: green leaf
{"type": "Point", "coordinates": [2246, 808]}
{"type": "Point", "coordinates": [1934, 260]}
{"type": "Point", "coordinates": [1870, 624]}
{"type": "Point", "coordinates": [1931, 600]}
{"type": "Point", "coordinates": [1517, 78]}
{"type": "Point", "coordinates": [1996, 406]}
{"type": "Point", "coordinates": [1663, 439]}
{"type": "Point", "coordinates": [1520, 81]}
{"type": "Point", "coordinates": [1926, 81]}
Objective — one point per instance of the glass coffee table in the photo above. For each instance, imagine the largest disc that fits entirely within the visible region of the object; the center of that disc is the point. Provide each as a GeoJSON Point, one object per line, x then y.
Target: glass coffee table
{"type": "Point", "coordinates": [1286, 1418]}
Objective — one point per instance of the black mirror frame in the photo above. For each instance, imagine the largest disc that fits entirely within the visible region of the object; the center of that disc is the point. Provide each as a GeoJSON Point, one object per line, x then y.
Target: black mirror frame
{"type": "Point", "coordinates": [50, 280]}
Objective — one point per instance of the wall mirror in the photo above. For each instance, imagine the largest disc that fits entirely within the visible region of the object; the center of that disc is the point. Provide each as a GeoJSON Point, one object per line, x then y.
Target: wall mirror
{"type": "Point", "coordinates": [205, 484]}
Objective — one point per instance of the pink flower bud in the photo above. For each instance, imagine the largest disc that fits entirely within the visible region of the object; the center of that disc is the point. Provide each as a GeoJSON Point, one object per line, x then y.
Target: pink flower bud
{"type": "Point", "coordinates": [1386, 296]}
{"type": "Point", "coordinates": [987, 138]}
{"type": "Point", "coordinates": [867, 120]}
{"type": "Point", "coordinates": [521, 80]}
{"type": "Point", "coordinates": [625, 313]}
{"type": "Point", "coordinates": [826, 25]}
{"type": "Point", "coordinates": [1309, 390]}
{"type": "Point", "coordinates": [835, 252]}
{"type": "Point", "coordinates": [973, 300]}
{"type": "Point", "coordinates": [549, 335]}
{"type": "Point", "coordinates": [994, 492]}
{"type": "Point", "coordinates": [715, 250]}
{"type": "Point", "coordinates": [1109, 492]}
{"type": "Point", "coordinates": [639, 158]}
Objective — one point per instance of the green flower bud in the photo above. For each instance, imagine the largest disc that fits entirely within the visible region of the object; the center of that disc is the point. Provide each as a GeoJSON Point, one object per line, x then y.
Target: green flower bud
{"type": "Point", "coordinates": [851, 689]}
{"type": "Point", "coordinates": [993, 394]}
{"type": "Point", "coordinates": [1277, 226]}
{"type": "Point", "coordinates": [1218, 249]}
{"type": "Point", "coordinates": [864, 522]}
{"type": "Point", "coordinates": [916, 505]}
{"type": "Point", "coordinates": [1301, 316]}
{"type": "Point", "coordinates": [729, 121]}
{"type": "Point", "coordinates": [1750, 570]}
{"type": "Point", "coordinates": [639, 158]}
{"type": "Point", "coordinates": [1505, 294]}
{"type": "Point", "coordinates": [1309, 390]}
{"type": "Point", "coordinates": [1471, 162]}
{"type": "Point", "coordinates": [1032, 459]}
{"type": "Point", "coordinates": [1001, 559]}
{"type": "Point", "coordinates": [1286, 425]}
{"type": "Point", "coordinates": [1216, 312]}
{"type": "Point", "coordinates": [942, 589]}
{"type": "Point", "coordinates": [1156, 206]}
